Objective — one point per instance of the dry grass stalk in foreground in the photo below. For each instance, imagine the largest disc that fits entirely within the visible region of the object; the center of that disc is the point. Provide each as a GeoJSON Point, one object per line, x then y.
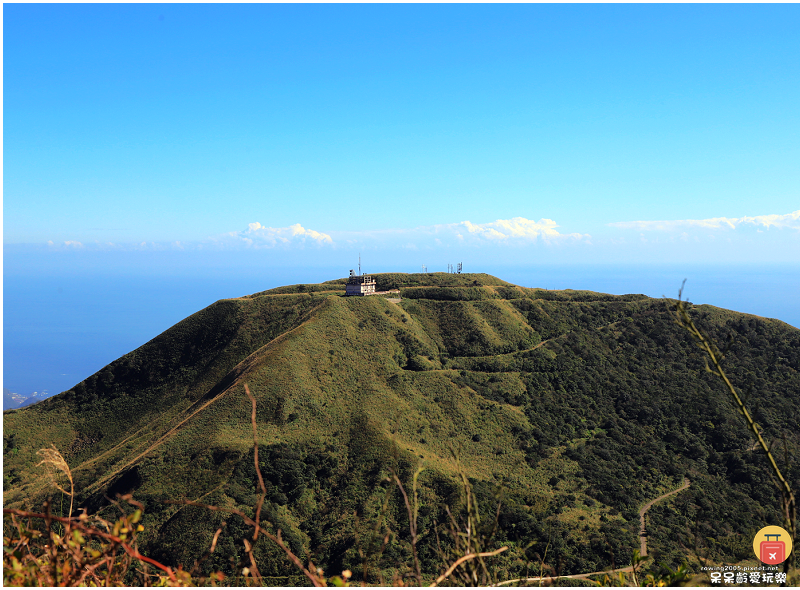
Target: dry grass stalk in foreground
{"type": "Point", "coordinates": [311, 572]}
{"type": "Point", "coordinates": [84, 551]}
{"type": "Point", "coordinates": [48, 550]}
{"type": "Point", "coordinates": [468, 537]}
{"type": "Point", "coordinates": [90, 550]}
{"type": "Point", "coordinates": [470, 540]}
{"type": "Point", "coordinates": [54, 463]}
{"type": "Point", "coordinates": [706, 344]}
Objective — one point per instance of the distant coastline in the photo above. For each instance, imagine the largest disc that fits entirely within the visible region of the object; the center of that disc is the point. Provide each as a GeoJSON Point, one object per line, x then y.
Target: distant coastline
{"type": "Point", "coordinates": [60, 330]}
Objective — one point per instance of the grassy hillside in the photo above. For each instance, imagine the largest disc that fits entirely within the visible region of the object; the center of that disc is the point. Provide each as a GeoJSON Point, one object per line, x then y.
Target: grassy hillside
{"type": "Point", "coordinates": [581, 406]}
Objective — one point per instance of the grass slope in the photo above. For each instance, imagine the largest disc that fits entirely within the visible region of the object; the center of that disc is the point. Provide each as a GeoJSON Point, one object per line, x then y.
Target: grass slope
{"type": "Point", "coordinates": [581, 406]}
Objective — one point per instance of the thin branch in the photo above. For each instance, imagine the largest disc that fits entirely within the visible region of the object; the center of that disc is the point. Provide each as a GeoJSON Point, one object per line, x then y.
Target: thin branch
{"type": "Point", "coordinates": [708, 347]}
{"type": "Point", "coordinates": [74, 522]}
{"type": "Point", "coordinates": [412, 520]}
{"type": "Point", "coordinates": [706, 344]}
{"type": "Point", "coordinates": [263, 495]}
{"type": "Point", "coordinates": [461, 560]}
{"type": "Point", "coordinates": [249, 521]}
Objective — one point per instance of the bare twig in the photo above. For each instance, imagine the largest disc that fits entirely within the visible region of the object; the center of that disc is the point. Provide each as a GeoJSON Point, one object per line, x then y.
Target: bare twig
{"type": "Point", "coordinates": [386, 537]}
{"type": "Point", "coordinates": [250, 522]}
{"type": "Point", "coordinates": [95, 532]}
{"type": "Point", "coordinates": [207, 554]}
{"type": "Point", "coordinates": [464, 558]}
{"type": "Point", "coordinates": [263, 495]}
{"type": "Point", "coordinates": [470, 540]}
{"type": "Point", "coordinates": [413, 512]}
{"type": "Point", "coordinates": [311, 574]}
{"type": "Point", "coordinates": [789, 503]}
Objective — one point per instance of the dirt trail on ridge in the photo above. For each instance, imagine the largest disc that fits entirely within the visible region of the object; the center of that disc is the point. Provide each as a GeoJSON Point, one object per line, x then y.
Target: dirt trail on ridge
{"type": "Point", "coordinates": [646, 507]}
{"type": "Point", "coordinates": [642, 551]}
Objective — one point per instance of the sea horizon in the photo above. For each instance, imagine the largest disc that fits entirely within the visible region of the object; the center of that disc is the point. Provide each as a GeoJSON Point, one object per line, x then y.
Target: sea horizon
{"type": "Point", "coordinates": [62, 328]}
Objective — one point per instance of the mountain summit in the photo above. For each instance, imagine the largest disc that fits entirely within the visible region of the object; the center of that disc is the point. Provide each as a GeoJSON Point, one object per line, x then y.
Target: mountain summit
{"type": "Point", "coordinates": [581, 407]}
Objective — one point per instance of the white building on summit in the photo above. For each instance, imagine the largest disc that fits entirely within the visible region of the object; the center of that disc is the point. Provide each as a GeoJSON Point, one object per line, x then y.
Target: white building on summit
{"type": "Point", "coordinates": [359, 284]}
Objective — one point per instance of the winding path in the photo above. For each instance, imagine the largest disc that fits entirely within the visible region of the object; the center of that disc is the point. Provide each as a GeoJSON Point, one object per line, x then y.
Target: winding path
{"type": "Point", "coordinates": [572, 577]}
{"type": "Point", "coordinates": [645, 508]}
{"type": "Point", "coordinates": [642, 542]}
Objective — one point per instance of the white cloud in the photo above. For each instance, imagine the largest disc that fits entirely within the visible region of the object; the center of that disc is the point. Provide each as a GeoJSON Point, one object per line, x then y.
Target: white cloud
{"type": "Point", "coordinates": [299, 231]}
{"type": "Point", "coordinates": [515, 231]}
{"type": "Point", "coordinates": [259, 236]}
{"type": "Point", "coordinates": [789, 221]}
{"type": "Point", "coordinates": [66, 245]}
{"type": "Point", "coordinates": [517, 228]}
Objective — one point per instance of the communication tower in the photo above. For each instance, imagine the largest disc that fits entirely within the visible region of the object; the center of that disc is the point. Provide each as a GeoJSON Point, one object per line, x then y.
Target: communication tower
{"type": "Point", "coordinates": [359, 284]}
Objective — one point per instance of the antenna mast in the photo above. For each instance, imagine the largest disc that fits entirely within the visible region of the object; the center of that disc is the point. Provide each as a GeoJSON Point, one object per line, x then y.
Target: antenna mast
{"type": "Point", "coordinates": [359, 264]}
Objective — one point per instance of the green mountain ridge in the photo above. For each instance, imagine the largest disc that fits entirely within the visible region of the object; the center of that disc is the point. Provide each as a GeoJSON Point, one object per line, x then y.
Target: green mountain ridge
{"type": "Point", "coordinates": [582, 406]}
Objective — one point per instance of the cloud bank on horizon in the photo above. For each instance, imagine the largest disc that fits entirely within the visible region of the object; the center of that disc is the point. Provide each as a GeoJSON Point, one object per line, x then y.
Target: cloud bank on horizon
{"type": "Point", "coordinates": [517, 228]}
{"type": "Point", "coordinates": [517, 231]}
{"type": "Point", "coordinates": [789, 220]}
{"type": "Point", "coordinates": [258, 235]}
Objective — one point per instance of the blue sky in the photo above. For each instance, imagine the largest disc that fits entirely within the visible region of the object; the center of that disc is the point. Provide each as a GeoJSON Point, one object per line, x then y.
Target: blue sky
{"type": "Point", "coordinates": [158, 157]}
{"type": "Point", "coordinates": [608, 133]}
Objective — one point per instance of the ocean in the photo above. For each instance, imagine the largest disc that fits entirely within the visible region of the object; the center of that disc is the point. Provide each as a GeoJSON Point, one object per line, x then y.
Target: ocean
{"type": "Point", "coordinates": [61, 328]}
